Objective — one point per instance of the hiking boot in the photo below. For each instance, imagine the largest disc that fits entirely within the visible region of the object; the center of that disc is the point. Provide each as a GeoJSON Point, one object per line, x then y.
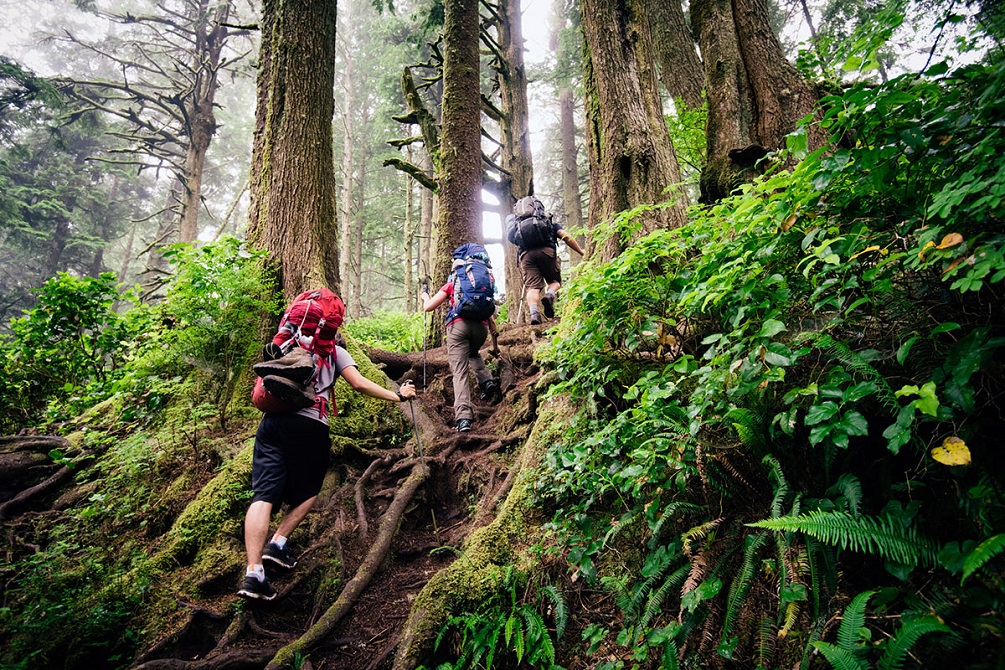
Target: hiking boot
{"type": "Point", "coordinates": [258, 590]}
{"type": "Point", "coordinates": [282, 557]}
{"type": "Point", "coordinates": [464, 426]}
{"type": "Point", "coordinates": [298, 366]}
{"type": "Point", "coordinates": [271, 351]}
{"type": "Point", "coordinates": [289, 391]}
{"type": "Point", "coordinates": [535, 320]}
{"type": "Point", "coordinates": [548, 304]}
{"type": "Point", "coordinates": [490, 390]}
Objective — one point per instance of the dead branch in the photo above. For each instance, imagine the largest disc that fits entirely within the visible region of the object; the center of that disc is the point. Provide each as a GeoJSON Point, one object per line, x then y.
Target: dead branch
{"type": "Point", "coordinates": [412, 170]}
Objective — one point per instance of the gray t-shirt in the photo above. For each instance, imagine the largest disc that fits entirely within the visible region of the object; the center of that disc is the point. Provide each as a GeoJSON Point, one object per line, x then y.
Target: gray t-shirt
{"type": "Point", "coordinates": [328, 372]}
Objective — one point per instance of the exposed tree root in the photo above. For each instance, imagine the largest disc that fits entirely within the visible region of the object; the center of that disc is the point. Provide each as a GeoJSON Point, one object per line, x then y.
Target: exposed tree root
{"type": "Point", "coordinates": [39, 489]}
{"type": "Point", "coordinates": [355, 587]}
{"type": "Point", "coordinates": [244, 659]}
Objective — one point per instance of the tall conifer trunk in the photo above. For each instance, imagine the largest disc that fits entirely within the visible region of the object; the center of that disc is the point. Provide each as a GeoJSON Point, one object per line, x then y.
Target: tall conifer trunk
{"type": "Point", "coordinates": [293, 171]}
{"type": "Point", "coordinates": [631, 155]}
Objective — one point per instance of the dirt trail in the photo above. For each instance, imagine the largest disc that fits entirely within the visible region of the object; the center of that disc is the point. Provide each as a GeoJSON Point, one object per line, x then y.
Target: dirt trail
{"type": "Point", "coordinates": [468, 478]}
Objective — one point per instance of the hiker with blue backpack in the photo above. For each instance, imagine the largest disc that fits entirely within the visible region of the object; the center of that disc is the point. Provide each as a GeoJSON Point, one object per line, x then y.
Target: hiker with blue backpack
{"type": "Point", "coordinates": [470, 287]}
{"type": "Point", "coordinates": [536, 235]}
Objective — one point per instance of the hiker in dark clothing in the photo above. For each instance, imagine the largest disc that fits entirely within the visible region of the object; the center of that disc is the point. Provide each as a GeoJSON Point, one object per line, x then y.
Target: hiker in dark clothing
{"type": "Point", "coordinates": [536, 234]}
{"type": "Point", "coordinates": [290, 461]}
{"type": "Point", "coordinates": [467, 329]}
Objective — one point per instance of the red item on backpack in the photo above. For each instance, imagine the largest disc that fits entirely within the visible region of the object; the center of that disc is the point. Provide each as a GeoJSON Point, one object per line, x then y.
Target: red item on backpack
{"type": "Point", "coordinates": [311, 321]}
{"type": "Point", "coordinates": [266, 402]}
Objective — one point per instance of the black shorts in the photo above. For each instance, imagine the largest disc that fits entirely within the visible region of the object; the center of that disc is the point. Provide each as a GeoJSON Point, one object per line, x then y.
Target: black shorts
{"type": "Point", "coordinates": [290, 460]}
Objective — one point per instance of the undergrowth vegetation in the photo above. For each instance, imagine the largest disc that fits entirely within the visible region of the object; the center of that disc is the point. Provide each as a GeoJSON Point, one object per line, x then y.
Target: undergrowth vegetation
{"type": "Point", "coordinates": [391, 331]}
{"type": "Point", "coordinates": [788, 452]}
{"type": "Point", "coordinates": [143, 397]}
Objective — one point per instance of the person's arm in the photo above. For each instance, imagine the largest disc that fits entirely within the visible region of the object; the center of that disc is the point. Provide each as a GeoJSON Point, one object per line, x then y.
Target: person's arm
{"type": "Point", "coordinates": [429, 304]}
{"type": "Point", "coordinates": [571, 241]}
{"type": "Point", "coordinates": [360, 383]}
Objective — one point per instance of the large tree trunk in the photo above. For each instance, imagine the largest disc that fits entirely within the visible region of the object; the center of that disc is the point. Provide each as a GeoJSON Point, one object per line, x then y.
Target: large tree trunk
{"type": "Point", "coordinates": [515, 126]}
{"type": "Point", "coordinates": [356, 301]}
{"type": "Point", "coordinates": [292, 164]}
{"type": "Point", "coordinates": [426, 231]}
{"type": "Point", "coordinates": [755, 96]}
{"type": "Point", "coordinates": [410, 292]}
{"type": "Point", "coordinates": [460, 174]}
{"type": "Point", "coordinates": [631, 155]}
{"type": "Point", "coordinates": [572, 203]}
{"type": "Point", "coordinates": [680, 67]}
{"type": "Point", "coordinates": [347, 260]}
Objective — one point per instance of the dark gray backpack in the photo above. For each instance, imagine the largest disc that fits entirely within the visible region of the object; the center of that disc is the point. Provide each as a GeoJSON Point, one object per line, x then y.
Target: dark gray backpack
{"type": "Point", "coordinates": [528, 226]}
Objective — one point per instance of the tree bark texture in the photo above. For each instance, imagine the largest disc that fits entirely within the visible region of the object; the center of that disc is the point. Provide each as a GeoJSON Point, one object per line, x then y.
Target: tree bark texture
{"type": "Point", "coordinates": [681, 70]}
{"type": "Point", "coordinates": [572, 204]}
{"type": "Point", "coordinates": [292, 163]}
{"type": "Point", "coordinates": [460, 174]}
{"type": "Point", "coordinates": [409, 235]}
{"type": "Point", "coordinates": [755, 96]}
{"type": "Point", "coordinates": [346, 258]}
{"type": "Point", "coordinates": [631, 155]}
{"type": "Point", "coordinates": [517, 159]}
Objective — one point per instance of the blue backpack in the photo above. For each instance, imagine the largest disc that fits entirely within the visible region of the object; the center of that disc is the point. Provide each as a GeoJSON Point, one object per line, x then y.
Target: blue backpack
{"type": "Point", "coordinates": [474, 285]}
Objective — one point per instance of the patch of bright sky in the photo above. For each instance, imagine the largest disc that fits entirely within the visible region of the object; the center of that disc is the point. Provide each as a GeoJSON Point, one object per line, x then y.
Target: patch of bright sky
{"type": "Point", "coordinates": [536, 33]}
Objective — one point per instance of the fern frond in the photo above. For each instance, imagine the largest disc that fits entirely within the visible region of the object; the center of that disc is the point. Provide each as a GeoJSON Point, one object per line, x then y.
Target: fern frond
{"type": "Point", "coordinates": [766, 648]}
{"type": "Point", "coordinates": [884, 537]}
{"type": "Point", "coordinates": [841, 659]}
{"type": "Point", "coordinates": [749, 426]}
{"type": "Point", "coordinates": [740, 587]}
{"type": "Point", "coordinates": [848, 486]}
{"type": "Point", "coordinates": [669, 659]}
{"type": "Point", "coordinates": [905, 637]}
{"type": "Point", "coordinates": [981, 554]}
{"type": "Point", "coordinates": [655, 604]}
{"type": "Point", "coordinates": [668, 514]}
{"type": "Point", "coordinates": [699, 532]}
{"type": "Point", "coordinates": [855, 361]}
{"type": "Point", "coordinates": [789, 622]}
{"type": "Point", "coordinates": [559, 609]}
{"type": "Point", "coordinates": [781, 484]}
{"type": "Point", "coordinates": [852, 620]}
{"type": "Point", "coordinates": [814, 637]}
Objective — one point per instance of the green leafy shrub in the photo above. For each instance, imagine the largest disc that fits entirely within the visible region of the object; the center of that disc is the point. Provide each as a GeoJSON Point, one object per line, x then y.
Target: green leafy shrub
{"type": "Point", "coordinates": [391, 331]}
{"type": "Point", "coordinates": [783, 366]}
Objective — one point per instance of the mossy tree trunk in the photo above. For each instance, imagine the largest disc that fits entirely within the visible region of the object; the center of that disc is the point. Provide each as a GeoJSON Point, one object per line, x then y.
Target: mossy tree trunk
{"type": "Point", "coordinates": [632, 161]}
{"type": "Point", "coordinates": [460, 174]}
{"type": "Point", "coordinates": [681, 71]}
{"type": "Point", "coordinates": [755, 96]}
{"type": "Point", "coordinates": [293, 172]}
{"type": "Point", "coordinates": [572, 203]}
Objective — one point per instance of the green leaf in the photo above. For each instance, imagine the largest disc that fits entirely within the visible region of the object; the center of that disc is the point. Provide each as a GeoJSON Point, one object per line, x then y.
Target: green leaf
{"type": "Point", "coordinates": [822, 412]}
{"type": "Point", "coordinates": [770, 328]}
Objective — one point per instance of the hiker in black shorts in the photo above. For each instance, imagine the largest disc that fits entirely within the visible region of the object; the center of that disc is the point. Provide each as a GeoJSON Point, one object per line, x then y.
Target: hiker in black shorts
{"type": "Point", "coordinates": [536, 234]}
{"type": "Point", "coordinates": [289, 465]}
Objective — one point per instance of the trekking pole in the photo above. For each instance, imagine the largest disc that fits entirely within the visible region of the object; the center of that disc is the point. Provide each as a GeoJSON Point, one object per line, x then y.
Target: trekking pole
{"type": "Point", "coordinates": [425, 471]}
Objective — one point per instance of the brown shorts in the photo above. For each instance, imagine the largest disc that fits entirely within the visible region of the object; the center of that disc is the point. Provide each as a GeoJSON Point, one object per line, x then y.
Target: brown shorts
{"type": "Point", "coordinates": [540, 267]}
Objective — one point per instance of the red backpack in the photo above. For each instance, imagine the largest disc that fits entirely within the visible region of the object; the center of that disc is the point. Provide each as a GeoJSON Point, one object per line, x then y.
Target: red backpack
{"type": "Point", "coordinates": [311, 321]}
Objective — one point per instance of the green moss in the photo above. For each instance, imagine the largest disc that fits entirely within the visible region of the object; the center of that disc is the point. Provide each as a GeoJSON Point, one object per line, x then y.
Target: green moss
{"type": "Point", "coordinates": [480, 571]}
{"type": "Point", "coordinates": [224, 498]}
{"type": "Point", "coordinates": [361, 417]}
